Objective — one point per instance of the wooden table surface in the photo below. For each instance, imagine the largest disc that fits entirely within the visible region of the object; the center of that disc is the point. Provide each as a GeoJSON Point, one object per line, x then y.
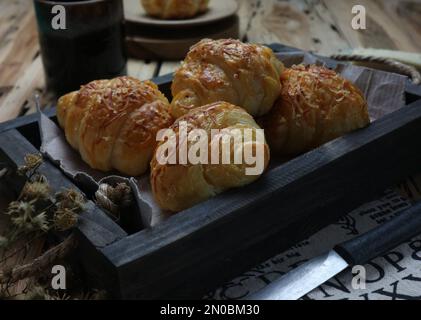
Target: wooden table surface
{"type": "Point", "coordinates": [322, 26]}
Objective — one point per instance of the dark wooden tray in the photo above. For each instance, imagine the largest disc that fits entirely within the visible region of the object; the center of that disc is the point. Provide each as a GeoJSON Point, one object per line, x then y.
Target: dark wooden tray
{"type": "Point", "coordinates": [200, 248]}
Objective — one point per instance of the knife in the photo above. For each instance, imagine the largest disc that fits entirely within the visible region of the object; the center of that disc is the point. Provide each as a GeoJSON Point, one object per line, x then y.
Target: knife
{"type": "Point", "coordinates": [357, 251]}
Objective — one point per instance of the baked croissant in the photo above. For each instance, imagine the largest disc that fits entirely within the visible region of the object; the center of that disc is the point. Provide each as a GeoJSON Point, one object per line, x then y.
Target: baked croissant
{"type": "Point", "coordinates": [243, 74]}
{"type": "Point", "coordinates": [180, 186]}
{"type": "Point", "coordinates": [113, 123]}
{"type": "Point", "coordinates": [316, 105]}
{"type": "Point", "coordinates": [175, 9]}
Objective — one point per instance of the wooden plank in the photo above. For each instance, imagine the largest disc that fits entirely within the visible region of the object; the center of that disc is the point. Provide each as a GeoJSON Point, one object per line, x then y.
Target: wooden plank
{"type": "Point", "coordinates": [27, 122]}
{"type": "Point", "coordinates": [19, 253]}
{"type": "Point", "coordinates": [16, 57]}
{"type": "Point", "coordinates": [141, 69]}
{"type": "Point", "coordinates": [407, 15]}
{"type": "Point", "coordinates": [23, 254]}
{"type": "Point", "coordinates": [12, 14]}
{"type": "Point", "coordinates": [246, 10]}
{"type": "Point", "coordinates": [387, 23]}
{"type": "Point", "coordinates": [312, 190]}
{"type": "Point", "coordinates": [305, 24]}
{"type": "Point", "coordinates": [167, 67]}
{"type": "Point", "coordinates": [23, 91]}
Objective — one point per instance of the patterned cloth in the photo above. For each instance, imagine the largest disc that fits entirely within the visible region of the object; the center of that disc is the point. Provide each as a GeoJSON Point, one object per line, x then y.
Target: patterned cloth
{"type": "Point", "coordinates": [396, 275]}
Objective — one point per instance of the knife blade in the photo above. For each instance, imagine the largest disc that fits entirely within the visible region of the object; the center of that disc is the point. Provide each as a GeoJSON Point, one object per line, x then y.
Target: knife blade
{"type": "Point", "coordinates": [358, 251]}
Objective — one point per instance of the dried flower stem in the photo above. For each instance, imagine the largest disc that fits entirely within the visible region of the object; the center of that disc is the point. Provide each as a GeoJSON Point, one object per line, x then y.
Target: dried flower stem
{"type": "Point", "coordinates": [36, 211]}
{"type": "Point", "coordinates": [32, 269]}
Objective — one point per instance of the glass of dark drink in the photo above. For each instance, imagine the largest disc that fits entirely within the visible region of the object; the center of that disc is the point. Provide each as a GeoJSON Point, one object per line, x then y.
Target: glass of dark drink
{"type": "Point", "coordinates": [80, 41]}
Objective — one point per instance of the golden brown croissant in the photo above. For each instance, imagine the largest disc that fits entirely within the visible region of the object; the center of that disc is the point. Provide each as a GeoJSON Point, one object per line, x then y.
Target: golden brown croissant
{"type": "Point", "coordinates": [315, 106]}
{"type": "Point", "coordinates": [243, 74]}
{"type": "Point", "coordinates": [175, 9]}
{"type": "Point", "coordinates": [113, 123]}
{"type": "Point", "coordinates": [179, 186]}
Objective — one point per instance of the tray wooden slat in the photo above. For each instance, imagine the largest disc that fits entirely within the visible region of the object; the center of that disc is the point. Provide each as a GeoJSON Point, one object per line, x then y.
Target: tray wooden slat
{"type": "Point", "coordinates": [321, 185]}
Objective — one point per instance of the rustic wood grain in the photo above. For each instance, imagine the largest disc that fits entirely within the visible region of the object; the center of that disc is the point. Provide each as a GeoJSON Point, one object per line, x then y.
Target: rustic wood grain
{"type": "Point", "coordinates": [141, 69]}
{"type": "Point", "coordinates": [19, 253]}
{"type": "Point", "coordinates": [20, 70]}
{"type": "Point", "coordinates": [406, 14]}
{"type": "Point", "coordinates": [168, 67]}
{"type": "Point", "coordinates": [387, 25]}
{"type": "Point", "coordinates": [23, 91]}
{"type": "Point", "coordinates": [322, 26]}
{"type": "Point", "coordinates": [303, 24]}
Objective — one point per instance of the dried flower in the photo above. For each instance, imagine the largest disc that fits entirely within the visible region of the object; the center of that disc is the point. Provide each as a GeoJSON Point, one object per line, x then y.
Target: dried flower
{"type": "Point", "coordinates": [37, 190]}
{"type": "Point", "coordinates": [25, 218]}
{"type": "Point", "coordinates": [21, 208]}
{"type": "Point", "coordinates": [64, 219]}
{"type": "Point", "coordinates": [35, 211]}
{"type": "Point", "coordinates": [40, 222]}
{"type": "Point", "coordinates": [70, 199]}
{"type": "Point", "coordinates": [32, 163]}
{"type": "Point", "coordinates": [31, 223]}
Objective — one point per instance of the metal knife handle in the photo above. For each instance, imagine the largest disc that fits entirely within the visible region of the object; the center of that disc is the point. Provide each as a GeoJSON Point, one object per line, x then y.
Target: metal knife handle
{"type": "Point", "coordinates": [380, 240]}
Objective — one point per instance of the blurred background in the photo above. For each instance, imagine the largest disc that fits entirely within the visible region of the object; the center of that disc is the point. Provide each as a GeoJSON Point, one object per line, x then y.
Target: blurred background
{"type": "Point", "coordinates": [322, 26]}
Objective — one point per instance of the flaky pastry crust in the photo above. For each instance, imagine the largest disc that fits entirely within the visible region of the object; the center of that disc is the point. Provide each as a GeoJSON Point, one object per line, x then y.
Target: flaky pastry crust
{"type": "Point", "coordinates": [316, 105]}
{"type": "Point", "coordinates": [177, 187]}
{"type": "Point", "coordinates": [113, 123]}
{"type": "Point", "coordinates": [228, 70]}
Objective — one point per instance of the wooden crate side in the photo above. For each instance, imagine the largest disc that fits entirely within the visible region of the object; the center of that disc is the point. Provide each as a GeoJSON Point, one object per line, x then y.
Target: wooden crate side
{"type": "Point", "coordinates": [95, 229]}
{"type": "Point", "coordinates": [327, 182]}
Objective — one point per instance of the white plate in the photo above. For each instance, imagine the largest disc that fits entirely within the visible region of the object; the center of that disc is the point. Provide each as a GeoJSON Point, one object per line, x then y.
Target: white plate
{"type": "Point", "coordinates": [218, 10]}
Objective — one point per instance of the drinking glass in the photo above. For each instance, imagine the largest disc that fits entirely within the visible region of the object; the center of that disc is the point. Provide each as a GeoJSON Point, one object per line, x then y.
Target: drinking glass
{"type": "Point", "coordinates": [80, 41]}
